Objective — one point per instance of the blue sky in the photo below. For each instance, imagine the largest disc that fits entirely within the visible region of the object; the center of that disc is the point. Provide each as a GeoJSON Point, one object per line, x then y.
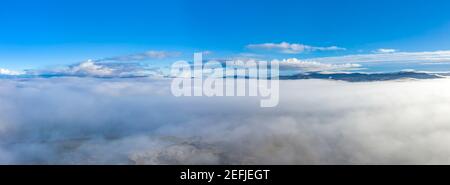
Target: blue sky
{"type": "Point", "coordinates": [39, 34]}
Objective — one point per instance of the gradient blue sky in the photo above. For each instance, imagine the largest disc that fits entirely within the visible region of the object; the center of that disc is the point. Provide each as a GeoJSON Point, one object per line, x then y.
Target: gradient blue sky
{"type": "Point", "coordinates": [36, 34]}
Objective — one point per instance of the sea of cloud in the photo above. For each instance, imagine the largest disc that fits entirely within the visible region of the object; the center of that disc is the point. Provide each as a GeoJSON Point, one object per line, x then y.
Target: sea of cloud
{"type": "Point", "coordinates": [138, 121]}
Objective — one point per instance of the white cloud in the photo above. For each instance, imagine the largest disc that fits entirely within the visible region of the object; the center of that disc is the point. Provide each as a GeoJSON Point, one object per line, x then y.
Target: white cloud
{"type": "Point", "coordinates": [128, 121]}
{"type": "Point", "coordinates": [432, 56]}
{"type": "Point", "coordinates": [92, 68]}
{"type": "Point", "coordinates": [384, 50]}
{"type": "Point", "coordinates": [313, 66]}
{"type": "Point", "coordinates": [294, 48]}
{"type": "Point", "coordinates": [143, 56]}
{"type": "Point", "coordinates": [10, 72]}
{"type": "Point", "coordinates": [207, 52]}
{"type": "Point", "coordinates": [296, 65]}
{"type": "Point", "coordinates": [89, 68]}
{"type": "Point", "coordinates": [339, 63]}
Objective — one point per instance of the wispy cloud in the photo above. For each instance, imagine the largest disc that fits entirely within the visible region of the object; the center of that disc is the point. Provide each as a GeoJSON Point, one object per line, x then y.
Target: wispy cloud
{"type": "Point", "coordinates": [92, 68]}
{"type": "Point", "coordinates": [143, 56]}
{"type": "Point", "coordinates": [431, 56]}
{"type": "Point", "coordinates": [119, 66]}
{"type": "Point", "coordinates": [292, 48]}
{"type": "Point", "coordinates": [298, 65]}
{"type": "Point", "coordinates": [385, 50]}
{"type": "Point", "coordinates": [313, 66]}
{"type": "Point", "coordinates": [207, 52]}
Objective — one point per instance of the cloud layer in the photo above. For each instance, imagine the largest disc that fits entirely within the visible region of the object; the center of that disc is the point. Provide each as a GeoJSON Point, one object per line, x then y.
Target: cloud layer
{"type": "Point", "coordinates": [92, 68]}
{"type": "Point", "coordinates": [313, 66]}
{"type": "Point", "coordinates": [415, 57]}
{"type": "Point", "coordinates": [382, 60]}
{"type": "Point", "coordinates": [9, 72]}
{"type": "Point", "coordinates": [385, 50]}
{"type": "Point", "coordinates": [138, 121]}
{"type": "Point", "coordinates": [294, 48]}
{"type": "Point", "coordinates": [152, 54]}
{"type": "Point", "coordinates": [100, 69]}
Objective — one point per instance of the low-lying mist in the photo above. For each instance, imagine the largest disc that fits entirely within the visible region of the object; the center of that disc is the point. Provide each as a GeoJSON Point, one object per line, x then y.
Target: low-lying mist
{"type": "Point", "coordinates": [138, 121]}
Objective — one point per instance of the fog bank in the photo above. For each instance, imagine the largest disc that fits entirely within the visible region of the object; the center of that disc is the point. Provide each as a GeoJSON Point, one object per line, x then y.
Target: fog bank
{"type": "Point", "coordinates": [138, 121]}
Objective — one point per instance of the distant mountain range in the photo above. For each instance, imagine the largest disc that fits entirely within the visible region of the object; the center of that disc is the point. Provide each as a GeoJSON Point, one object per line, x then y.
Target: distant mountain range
{"type": "Point", "coordinates": [364, 77]}
{"type": "Point", "coordinates": [348, 77]}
